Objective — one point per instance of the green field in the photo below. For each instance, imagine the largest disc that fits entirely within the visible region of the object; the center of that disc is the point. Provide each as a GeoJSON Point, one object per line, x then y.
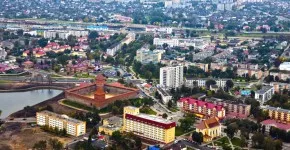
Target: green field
{"type": "Point", "coordinates": [77, 105]}
{"type": "Point", "coordinates": [178, 131]}
{"type": "Point", "coordinates": [148, 110]}
{"type": "Point", "coordinates": [236, 141]}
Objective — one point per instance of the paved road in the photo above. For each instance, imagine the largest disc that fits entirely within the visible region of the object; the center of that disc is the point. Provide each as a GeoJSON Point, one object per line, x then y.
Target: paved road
{"type": "Point", "coordinates": [193, 145]}
{"type": "Point", "coordinates": [21, 120]}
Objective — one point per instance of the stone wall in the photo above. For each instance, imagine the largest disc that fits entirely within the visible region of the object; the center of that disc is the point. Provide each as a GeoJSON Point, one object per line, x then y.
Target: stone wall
{"type": "Point", "coordinates": [85, 90]}
{"type": "Point", "coordinates": [80, 99]}
{"type": "Point", "coordinates": [116, 90]}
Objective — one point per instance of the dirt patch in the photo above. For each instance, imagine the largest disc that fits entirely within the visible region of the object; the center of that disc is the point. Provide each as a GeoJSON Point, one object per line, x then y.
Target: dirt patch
{"type": "Point", "coordinates": [24, 137]}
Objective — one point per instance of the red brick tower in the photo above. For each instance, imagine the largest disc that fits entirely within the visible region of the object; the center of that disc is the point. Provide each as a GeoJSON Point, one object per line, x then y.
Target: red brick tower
{"type": "Point", "coordinates": [100, 95]}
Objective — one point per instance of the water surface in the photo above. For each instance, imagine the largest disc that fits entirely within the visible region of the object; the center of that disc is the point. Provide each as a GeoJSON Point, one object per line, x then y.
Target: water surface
{"type": "Point", "coordinates": [15, 101]}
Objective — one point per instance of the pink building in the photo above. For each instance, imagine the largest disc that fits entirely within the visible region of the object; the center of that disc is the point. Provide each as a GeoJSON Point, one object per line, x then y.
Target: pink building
{"type": "Point", "coordinates": [200, 108]}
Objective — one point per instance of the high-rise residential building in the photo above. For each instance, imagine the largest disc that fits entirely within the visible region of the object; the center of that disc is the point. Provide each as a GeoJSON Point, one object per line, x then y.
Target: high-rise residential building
{"type": "Point", "coordinates": [148, 126]}
{"type": "Point", "coordinates": [72, 126]}
{"type": "Point", "coordinates": [171, 77]}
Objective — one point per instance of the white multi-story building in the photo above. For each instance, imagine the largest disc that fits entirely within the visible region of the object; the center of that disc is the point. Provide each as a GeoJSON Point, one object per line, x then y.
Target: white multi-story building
{"type": "Point", "coordinates": [115, 48]}
{"type": "Point", "coordinates": [265, 94]}
{"type": "Point", "coordinates": [151, 28]}
{"type": "Point", "coordinates": [171, 77]}
{"type": "Point", "coordinates": [165, 96]}
{"type": "Point", "coordinates": [64, 34]}
{"type": "Point", "coordinates": [176, 42]}
{"type": "Point", "coordinates": [73, 126]}
{"type": "Point", "coordinates": [200, 82]}
{"type": "Point", "coordinates": [146, 56]}
{"type": "Point", "coordinates": [285, 66]}
{"type": "Point", "coordinates": [3, 53]}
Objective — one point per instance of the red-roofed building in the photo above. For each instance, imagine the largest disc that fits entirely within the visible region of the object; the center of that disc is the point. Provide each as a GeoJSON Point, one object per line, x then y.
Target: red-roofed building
{"type": "Point", "coordinates": [25, 53]}
{"type": "Point", "coordinates": [28, 64]}
{"type": "Point", "coordinates": [275, 123]}
{"type": "Point", "coordinates": [200, 108]}
{"type": "Point", "coordinates": [148, 126]}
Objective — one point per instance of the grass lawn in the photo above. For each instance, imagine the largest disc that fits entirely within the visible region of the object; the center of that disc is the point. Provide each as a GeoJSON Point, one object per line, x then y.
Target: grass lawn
{"type": "Point", "coordinates": [4, 81]}
{"type": "Point", "coordinates": [77, 105]}
{"type": "Point", "coordinates": [83, 75]}
{"type": "Point", "coordinates": [178, 131]}
{"type": "Point", "coordinates": [236, 141]}
{"type": "Point", "coordinates": [222, 141]}
{"type": "Point", "coordinates": [55, 76]}
{"type": "Point", "coordinates": [148, 110]}
{"type": "Point", "coordinates": [173, 109]}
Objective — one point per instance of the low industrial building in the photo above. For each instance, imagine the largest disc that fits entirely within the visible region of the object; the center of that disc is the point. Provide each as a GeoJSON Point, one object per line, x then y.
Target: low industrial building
{"type": "Point", "coordinates": [111, 125]}
{"type": "Point", "coordinates": [165, 96]}
{"type": "Point", "coordinates": [285, 66]}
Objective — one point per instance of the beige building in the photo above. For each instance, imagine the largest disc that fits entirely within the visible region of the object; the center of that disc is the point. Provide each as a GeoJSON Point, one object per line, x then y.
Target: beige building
{"type": "Point", "coordinates": [146, 56]}
{"type": "Point", "coordinates": [111, 125]}
{"type": "Point", "coordinates": [277, 113]}
{"type": "Point", "coordinates": [210, 128]}
{"type": "Point", "coordinates": [73, 126]}
{"type": "Point", "coordinates": [148, 126]}
{"type": "Point", "coordinates": [279, 86]}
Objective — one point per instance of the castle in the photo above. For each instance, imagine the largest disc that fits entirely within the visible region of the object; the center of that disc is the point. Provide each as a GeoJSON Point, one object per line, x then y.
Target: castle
{"type": "Point", "coordinates": [100, 93]}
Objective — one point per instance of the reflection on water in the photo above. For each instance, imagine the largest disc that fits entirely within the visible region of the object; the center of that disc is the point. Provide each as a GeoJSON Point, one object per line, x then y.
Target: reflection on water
{"type": "Point", "coordinates": [14, 101]}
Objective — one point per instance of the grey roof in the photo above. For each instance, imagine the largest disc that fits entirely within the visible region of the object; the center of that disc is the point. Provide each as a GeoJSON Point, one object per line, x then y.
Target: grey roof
{"type": "Point", "coordinates": [264, 89]}
{"type": "Point", "coordinates": [275, 109]}
{"type": "Point", "coordinates": [163, 92]}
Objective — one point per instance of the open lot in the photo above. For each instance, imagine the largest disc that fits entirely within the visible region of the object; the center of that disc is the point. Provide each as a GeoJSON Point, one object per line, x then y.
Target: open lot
{"type": "Point", "coordinates": [16, 136]}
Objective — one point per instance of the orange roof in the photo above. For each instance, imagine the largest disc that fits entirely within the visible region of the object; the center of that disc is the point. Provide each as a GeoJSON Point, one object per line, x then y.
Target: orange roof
{"type": "Point", "coordinates": [208, 123]}
{"type": "Point", "coordinates": [118, 84]}
{"type": "Point", "coordinates": [100, 77]}
{"type": "Point", "coordinates": [147, 86]}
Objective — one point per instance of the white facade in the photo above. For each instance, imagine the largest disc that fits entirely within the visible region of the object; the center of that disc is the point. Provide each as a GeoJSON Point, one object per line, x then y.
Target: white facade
{"type": "Point", "coordinates": [165, 96]}
{"type": "Point", "coordinates": [175, 42]}
{"type": "Point", "coordinates": [73, 127]}
{"type": "Point", "coordinates": [3, 54]}
{"type": "Point", "coordinates": [146, 56]}
{"type": "Point", "coordinates": [63, 34]}
{"type": "Point", "coordinates": [114, 48]}
{"type": "Point", "coordinates": [171, 77]}
{"type": "Point", "coordinates": [189, 82]}
{"type": "Point", "coordinates": [265, 94]}
{"type": "Point", "coordinates": [285, 66]}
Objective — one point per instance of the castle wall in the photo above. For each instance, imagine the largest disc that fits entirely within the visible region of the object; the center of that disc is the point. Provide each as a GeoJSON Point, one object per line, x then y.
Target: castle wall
{"type": "Point", "coordinates": [122, 93]}
{"type": "Point", "coordinates": [80, 99]}
{"type": "Point", "coordinates": [116, 90]}
{"type": "Point", "coordinates": [85, 90]}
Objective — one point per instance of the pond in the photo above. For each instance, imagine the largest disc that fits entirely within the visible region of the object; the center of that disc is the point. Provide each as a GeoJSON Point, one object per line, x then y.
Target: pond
{"type": "Point", "coordinates": [15, 101]}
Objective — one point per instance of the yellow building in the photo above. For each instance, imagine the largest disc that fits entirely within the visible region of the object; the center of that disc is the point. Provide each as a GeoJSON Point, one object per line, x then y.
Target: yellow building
{"type": "Point", "coordinates": [73, 126]}
{"type": "Point", "coordinates": [148, 126]}
{"type": "Point", "coordinates": [277, 113]}
{"type": "Point", "coordinates": [111, 125]}
{"type": "Point", "coordinates": [209, 128]}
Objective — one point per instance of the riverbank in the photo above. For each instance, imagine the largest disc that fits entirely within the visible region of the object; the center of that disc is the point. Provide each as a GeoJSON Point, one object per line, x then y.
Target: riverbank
{"type": "Point", "coordinates": [22, 87]}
